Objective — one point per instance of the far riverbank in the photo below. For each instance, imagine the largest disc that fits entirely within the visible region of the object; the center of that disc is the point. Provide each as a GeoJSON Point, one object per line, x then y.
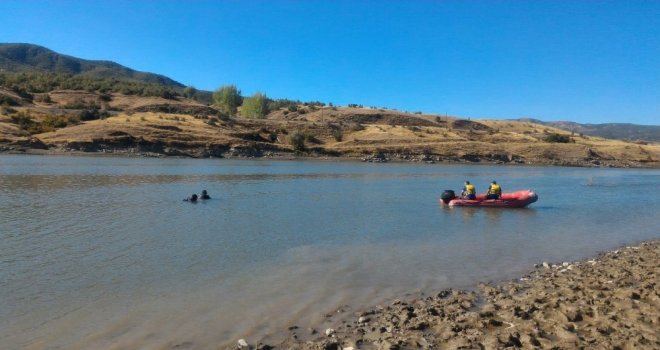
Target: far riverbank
{"type": "Point", "coordinates": [369, 157]}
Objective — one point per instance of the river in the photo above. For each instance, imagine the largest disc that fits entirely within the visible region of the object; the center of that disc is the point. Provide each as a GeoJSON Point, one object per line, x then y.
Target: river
{"type": "Point", "coordinates": [101, 252]}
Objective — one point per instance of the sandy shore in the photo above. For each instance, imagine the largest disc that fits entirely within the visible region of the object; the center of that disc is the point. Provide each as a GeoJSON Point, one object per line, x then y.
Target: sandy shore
{"type": "Point", "coordinates": [608, 302]}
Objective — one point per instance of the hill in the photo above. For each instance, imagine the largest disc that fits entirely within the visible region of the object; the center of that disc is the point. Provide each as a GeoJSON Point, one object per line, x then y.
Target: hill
{"type": "Point", "coordinates": [620, 131]}
{"type": "Point", "coordinates": [155, 126]}
{"type": "Point", "coordinates": [16, 58]}
{"type": "Point", "coordinates": [52, 103]}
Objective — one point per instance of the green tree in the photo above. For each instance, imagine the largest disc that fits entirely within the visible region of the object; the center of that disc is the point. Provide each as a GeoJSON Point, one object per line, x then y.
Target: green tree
{"type": "Point", "coordinates": [190, 92]}
{"type": "Point", "coordinates": [255, 106]}
{"type": "Point", "coordinates": [227, 98]}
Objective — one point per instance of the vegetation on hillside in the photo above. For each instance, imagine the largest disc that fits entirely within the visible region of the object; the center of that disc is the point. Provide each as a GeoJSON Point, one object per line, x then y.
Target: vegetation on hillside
{"type": "Point", "coordinates": [227, 99]}
{"type": "Point", "coordinates": [255, 106]}
{"type": "Point", "coordinates": [558, 138]}
{"type": "Point", "coordinates": [26, 84]}
{"type": "Point", "coordinates": [16, 58]}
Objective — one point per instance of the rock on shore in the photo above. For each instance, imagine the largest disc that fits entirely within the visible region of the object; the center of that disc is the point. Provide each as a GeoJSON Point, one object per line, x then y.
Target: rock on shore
{"type": "Point", "coordinates": [611, 302]}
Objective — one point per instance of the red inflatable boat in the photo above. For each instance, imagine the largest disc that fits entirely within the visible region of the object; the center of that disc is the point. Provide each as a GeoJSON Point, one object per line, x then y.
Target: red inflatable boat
{"type": "Point", "coordinates": [517, 199]}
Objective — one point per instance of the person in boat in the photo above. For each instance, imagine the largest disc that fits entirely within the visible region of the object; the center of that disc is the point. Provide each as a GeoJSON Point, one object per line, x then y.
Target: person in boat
{"type": "Point", "coordinates": [469, 192]}
{"type": "Point", "coordinates": [494, 191]}
{"type": "Point", "coordinates": [204, 195]}
{"type": "Point", "coordinates": [192, 198]}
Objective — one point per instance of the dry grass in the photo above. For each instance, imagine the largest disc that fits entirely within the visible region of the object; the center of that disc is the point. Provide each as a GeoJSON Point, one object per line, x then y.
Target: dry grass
{"type": "Point", "coordinates": [364, 131]}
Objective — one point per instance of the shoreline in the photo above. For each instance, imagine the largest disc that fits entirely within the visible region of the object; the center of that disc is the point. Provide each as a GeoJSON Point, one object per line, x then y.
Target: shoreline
{"type": "Point", "coordinates": [367, 158]}
{"type": "Point", "coordinates": [608, 301]}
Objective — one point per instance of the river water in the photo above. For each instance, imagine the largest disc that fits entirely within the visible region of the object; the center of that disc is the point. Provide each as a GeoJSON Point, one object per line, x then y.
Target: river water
{"type": "Point", "coordinates": [101, 252]}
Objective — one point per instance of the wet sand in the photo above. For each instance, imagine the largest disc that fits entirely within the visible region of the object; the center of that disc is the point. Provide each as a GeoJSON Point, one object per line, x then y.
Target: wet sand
{"type": "Point", "coordinates": [608, 302]}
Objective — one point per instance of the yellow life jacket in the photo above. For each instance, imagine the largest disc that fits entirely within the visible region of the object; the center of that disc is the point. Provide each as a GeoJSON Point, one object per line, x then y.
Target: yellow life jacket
{"type": "Point", "coordinates": [495, 189]}
{"type": "Point", "coordinates": [469, 189]}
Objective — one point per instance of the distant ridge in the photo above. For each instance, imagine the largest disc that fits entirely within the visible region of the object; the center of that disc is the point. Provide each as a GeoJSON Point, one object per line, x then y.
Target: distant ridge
{"type": "Point", "coordinates": [621, 131]}
{"type": "Point", "coordinates": [19, 57]}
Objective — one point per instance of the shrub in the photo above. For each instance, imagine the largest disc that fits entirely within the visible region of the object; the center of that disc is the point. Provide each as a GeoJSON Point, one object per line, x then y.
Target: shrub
{"type": "Point", "coordinates": [557, 138]}
{"type": "Point", "coordinates": [310, 137]}
{"type": "Point", "coordinates": [55, 122]}
{"type": "Point", "coordinates": [292, 108]}
{"type": "Point", "coordinates": [297, 140]}
{"type": "Point", "coordinates": [22, 119]}
{"type": "Point", "coordinates": [338, 135]}
{"type": "Point", "coordinates": [7, 101]}
{"type": "Point", "coordinates": [92, 114]}
{"type": "Point", "coordinates": [80, 104]}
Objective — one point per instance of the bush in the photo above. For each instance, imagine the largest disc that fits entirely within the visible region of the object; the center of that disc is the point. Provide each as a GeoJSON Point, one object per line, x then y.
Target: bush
{"type": "Point", "coordinates": [338, 135]}
{"type": "Point", "coordinates": [22, 119]}
{"type": "Point", "coordinates": [310, 137]}
{"type": "Point", "coordinates": [292, 108]}
{"type": "Point", "coordinates": [297, 140]}
{"type": "Point", "coordinates": [91, 114]}
{"type": "Point", "coordinates": [557, 138]}
{"type": "Point", "coordinates": [56, 122]}
{"type": "Point", "coordinates": [7, 101]}
{"type": "Point", "coordinates": [80, 104]}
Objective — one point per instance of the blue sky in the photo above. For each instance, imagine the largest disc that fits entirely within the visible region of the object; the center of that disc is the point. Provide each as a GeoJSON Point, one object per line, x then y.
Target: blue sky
{"type": "Point", "coordinates": [586, 61]}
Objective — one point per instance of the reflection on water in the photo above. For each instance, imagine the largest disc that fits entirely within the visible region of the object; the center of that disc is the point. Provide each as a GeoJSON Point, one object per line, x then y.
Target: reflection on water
{"type": "Point", "coordinates": [100, 252]}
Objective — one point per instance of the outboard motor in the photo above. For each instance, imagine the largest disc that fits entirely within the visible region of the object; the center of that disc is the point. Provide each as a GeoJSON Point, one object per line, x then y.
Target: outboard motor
{"type": "Point", "coordinates": [447, 196]}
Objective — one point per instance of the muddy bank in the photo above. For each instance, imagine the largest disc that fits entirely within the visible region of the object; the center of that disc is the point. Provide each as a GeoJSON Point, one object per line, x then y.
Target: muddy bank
{"type": "Point", "coordinates": [609, 302]}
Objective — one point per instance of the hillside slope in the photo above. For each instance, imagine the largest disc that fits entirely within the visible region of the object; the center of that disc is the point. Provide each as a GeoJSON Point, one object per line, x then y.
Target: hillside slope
{"type": "Point", "coordinates": [154, 126]}
{"type": "Point", "coordinates": [33, 58]}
